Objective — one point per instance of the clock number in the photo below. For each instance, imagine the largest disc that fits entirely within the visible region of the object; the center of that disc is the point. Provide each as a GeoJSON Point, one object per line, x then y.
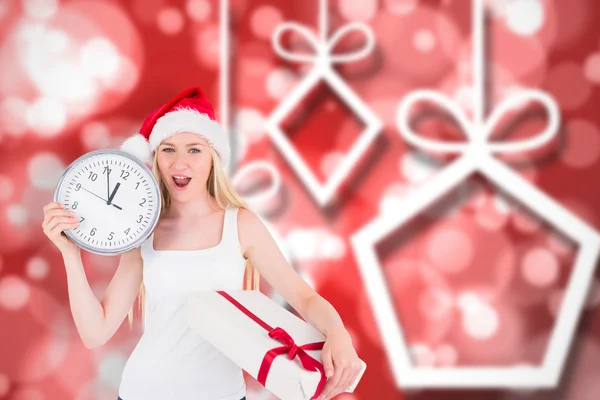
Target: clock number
{"type": "Point", "coordinates": [127, 231]}
{"type": "Point", "coordinates": [77, 187]}
{"type": "Point", "coordinates": [110, 237]}
{"type": "Point", "coordinates": [124, 174]}
{"type": "Point", "coordinates": [140, 219]}
{"type": "Point", "coordinates": [136, 185]}
{"type": "Point", "coordinates": [93, 176]}
{"type": "Point", "coordinates": [81, 220]}
{"type": "Point", "coordinates": [106, 169]}
{"type": "Point", "coordinates": [143, 202]}
{"type": "Point", "coordinates": [93, 232]}
{"type": "Point", "coordinates": [74, 206]}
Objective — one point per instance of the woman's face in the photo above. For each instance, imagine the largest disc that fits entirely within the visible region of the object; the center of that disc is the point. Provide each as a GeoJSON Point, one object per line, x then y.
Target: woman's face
{"type": "Point", "coordinates": [184, 155]}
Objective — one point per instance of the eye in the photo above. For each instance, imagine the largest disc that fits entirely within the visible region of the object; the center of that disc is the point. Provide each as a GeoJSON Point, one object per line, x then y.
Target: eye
{"type": "Point", "coordinates": [167, 148]}
{"type": "Point", "coordinates": [196, 150]}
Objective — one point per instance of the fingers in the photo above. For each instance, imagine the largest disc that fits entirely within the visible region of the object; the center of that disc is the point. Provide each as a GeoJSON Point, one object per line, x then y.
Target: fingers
{"type": "Point", "coordinates": [332, 384]}
{"type": "Point", "coordinates": [58, 222]}
{"type": "Point", "coordinates": [327, 362]}
{"type": "Point", "coordinates": [53, 210]}
{"type": "Point", "coordinates": [346, 373]}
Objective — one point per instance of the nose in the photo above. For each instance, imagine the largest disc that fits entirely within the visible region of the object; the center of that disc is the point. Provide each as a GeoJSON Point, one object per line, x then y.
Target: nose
{"type": "Point", "coordinates": [180, 163]}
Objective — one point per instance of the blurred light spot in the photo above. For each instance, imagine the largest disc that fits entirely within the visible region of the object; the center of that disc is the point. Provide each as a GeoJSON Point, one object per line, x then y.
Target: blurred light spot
{"type": "Point", "coordinates": [501, 203]}
{"type": "Point", "coordinates": [7, 188]}
{"type": "Point", "coordinates": [280, 82]}
{"type": "Point", "coordinates": [422, 355]}
{"type": "Point", "coordinates": [198, 10]}
{"type": "Point", "coordinates": [400, 7]}
{"type": "Point", "coordinates": [16, 214]}
{"type": "Point", "coordinates": [13, 116]}
{"type": "Point", "coordinates": [57, 41]}
{"type": "Point", "coordinates": [417, 167]}
{"type": "Point", "coordinates": [4, 385]}
{"type": "Point", "coordinates": [393, 197]}
{"type": "Point", "coordinates": [47, 116]}
{"type": "Point", "coordinates": [582, 145]}
{"type": "Point", "coordinates": [480, 321]}
{"type": "Point", "coordinates": [40, 9]}
{"type": "Point", "coordinates": [37, 268]}
{"type": "Point", "coordinates": [126, 77]}
{"type": "Point", "coordinates": [170, 21]}
{"type": "Point", "coordinates": [95, 135]}
{"type": "Point", "coordinates": [540, 267]}
{"type": "Point", "coordinates": [446, 355]}
{"type": "Point", "coordinates": [525, 17]}
{"type": "Point", "coordinates": [264, 20]}
{"type": "Point", "coordinates": [435, 303]}
{"type": "Point", "coordinates": [490, 218]}
{"type": "Point", "coordinates": [362, 11]}
{"type": "Point", "coordinates": [592, 68]}
{"type": "Point", "coordinates": [314, 244]}
{"type": "Point", "coordinates": [44, 170]}
{"type": "Point", "coordinates": [110, 368]}
{"type": "Point", "coordinates": [251, 123]}
{"type": "Point", "coordinates": [99, 58]}
{"type": "Point", "coordinates": [207, 46]}
{"type": "Point", "coordinates": [567, 82]}
{"type": "Point", "coordinates": [450, 250]}
{"type": "Point", "coordinates": [424, 41]}
{"type": "Point", "coordinates": [14, 292]}
{"type": "Point", "coordinates": [498, 7]}
{"type": "Point", "coordinates": [330, 162]}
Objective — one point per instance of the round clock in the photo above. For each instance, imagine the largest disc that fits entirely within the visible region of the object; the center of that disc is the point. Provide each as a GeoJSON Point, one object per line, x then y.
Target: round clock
{"type": "Point", "coordinates": [116, 198]}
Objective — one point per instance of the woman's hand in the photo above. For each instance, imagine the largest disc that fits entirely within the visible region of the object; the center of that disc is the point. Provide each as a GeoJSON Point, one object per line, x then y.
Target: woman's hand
{"type": "Point", "coordinates": [57, 219]}
{"type": "Point", "coordinates": [341, 364]}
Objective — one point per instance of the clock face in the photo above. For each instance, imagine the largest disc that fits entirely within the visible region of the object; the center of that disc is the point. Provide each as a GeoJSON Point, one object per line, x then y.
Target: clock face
{"type": "Point", "coordinates": [116, 198]}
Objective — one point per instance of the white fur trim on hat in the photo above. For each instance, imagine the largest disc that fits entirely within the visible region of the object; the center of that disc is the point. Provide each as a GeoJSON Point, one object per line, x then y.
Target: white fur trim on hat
{"type": "Point", "coordinates": [138, 146]}
{"type": "Point", "coordinates": [190, 120]}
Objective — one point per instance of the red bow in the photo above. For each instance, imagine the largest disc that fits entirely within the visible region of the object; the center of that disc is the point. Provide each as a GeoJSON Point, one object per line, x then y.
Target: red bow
{"type": "Point", "coordinates": [289, 347]}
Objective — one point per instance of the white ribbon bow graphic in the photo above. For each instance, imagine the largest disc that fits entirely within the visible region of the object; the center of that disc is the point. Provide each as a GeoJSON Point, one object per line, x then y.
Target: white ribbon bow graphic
{"type": "Point", "coordinates": [323, 55]}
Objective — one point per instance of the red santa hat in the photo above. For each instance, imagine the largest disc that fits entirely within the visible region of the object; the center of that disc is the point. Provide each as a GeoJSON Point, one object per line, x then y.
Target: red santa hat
{"type": "Point", "coordinates": [190, 111]}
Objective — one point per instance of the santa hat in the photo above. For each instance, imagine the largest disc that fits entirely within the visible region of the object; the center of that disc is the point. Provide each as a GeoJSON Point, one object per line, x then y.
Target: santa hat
{"type": "Point", "coordinates": [190, 111]}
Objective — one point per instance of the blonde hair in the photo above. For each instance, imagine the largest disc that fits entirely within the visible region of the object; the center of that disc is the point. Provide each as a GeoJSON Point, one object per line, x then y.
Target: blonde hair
{"type": "Point", "coordinates": [221, 188]}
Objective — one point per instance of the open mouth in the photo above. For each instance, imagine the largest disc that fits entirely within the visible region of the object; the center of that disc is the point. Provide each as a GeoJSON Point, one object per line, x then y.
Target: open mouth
{"type": "Point", "coordinates": [181, 182]}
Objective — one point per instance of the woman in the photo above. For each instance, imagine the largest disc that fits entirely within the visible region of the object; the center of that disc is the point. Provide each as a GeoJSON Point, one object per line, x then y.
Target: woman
{"type": "Point", "coordinates": [205, 239]}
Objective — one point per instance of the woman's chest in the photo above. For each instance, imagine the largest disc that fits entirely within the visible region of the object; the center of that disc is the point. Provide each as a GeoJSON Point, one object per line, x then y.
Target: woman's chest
{"type": "Point", "coordinates": [185, 272]}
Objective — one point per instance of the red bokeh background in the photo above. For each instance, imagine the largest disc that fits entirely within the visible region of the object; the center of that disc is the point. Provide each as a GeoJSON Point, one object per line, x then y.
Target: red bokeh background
{"type": "Point", "coordinates": [81, 75]}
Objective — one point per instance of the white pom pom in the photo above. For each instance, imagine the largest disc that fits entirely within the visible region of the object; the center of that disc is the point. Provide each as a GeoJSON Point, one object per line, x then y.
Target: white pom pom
{"type": "Point", "coordinates": [138, 146]}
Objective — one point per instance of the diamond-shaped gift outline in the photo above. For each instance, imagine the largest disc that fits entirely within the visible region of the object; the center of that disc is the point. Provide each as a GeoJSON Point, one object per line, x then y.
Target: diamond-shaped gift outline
{"type": "Point", "coordinates": [477, 157]}
{"type": "Point", "coordinates": [323, 59]}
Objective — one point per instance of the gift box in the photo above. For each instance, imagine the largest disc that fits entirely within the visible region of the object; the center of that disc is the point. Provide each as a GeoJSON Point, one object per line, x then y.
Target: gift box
{"type": "Point", "coordinates": [280, 350]}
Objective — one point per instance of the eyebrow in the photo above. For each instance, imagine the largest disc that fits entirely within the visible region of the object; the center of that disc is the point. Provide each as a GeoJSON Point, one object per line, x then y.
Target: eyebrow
{"type": "Point", "coordinates": [191, 144]}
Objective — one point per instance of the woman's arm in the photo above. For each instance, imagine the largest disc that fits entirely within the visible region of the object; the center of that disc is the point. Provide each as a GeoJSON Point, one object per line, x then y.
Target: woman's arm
{"type": "Point", "coordinates": [340, 361]}
{"type": "Point", "coordinates": [97, 321]}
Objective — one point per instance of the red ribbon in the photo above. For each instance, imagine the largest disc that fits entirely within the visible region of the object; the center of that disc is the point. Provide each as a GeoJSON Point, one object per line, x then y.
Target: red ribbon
{"type": "Point", "coordinates": [289, 347]}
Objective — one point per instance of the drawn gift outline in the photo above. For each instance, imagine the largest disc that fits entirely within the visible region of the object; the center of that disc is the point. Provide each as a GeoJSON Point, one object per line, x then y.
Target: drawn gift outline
{"type": "Point", "coordinates": [477, 157]}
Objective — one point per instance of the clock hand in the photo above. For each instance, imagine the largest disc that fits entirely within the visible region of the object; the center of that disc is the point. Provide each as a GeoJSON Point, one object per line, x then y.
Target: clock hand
{"type": "Point", "coordinates": [113, 193]}
{"type": "Point", "coordinates": [114, 205]}
{"type": "Point", "coordinates": [108, 184]}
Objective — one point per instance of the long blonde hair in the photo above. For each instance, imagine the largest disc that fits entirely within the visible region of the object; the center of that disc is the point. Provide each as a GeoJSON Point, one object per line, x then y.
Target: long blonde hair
{"type": "Point", "coordinates": [221, 188]}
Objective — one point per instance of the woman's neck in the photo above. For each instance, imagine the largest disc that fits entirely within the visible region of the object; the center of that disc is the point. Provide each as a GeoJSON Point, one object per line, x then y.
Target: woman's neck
{"type": "Point", "coordinates": [192, 209]}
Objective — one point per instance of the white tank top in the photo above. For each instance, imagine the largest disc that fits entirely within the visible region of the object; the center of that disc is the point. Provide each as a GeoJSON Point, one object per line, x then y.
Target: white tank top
{"type": "Point", "coordinates": [171, 361]}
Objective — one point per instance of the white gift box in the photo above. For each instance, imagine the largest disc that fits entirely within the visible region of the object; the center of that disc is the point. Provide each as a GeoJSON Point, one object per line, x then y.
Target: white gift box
{"type": "Point", "coordinates": [243, 336]}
